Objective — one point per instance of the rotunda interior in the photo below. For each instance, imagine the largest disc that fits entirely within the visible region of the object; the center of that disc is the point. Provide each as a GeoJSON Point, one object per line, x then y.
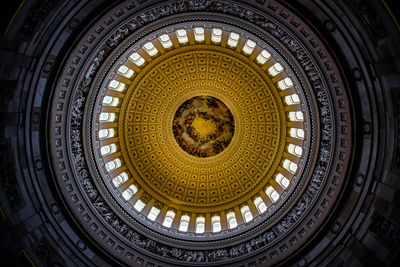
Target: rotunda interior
{"type": "Point", "coordinates": [200, 132]}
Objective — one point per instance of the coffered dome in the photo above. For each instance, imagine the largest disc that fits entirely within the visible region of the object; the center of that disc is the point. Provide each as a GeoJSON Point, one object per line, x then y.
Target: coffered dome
{"type": "Point", "coordinates": [217, 133]}
{"type": "Point", "coordinates": [139, 175]}
{"type": "Point", "coordinates": [180, 90]}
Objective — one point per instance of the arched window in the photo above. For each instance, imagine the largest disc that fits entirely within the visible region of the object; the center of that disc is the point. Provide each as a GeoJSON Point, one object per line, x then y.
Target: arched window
{"type": "Point", "coordinates": [249, 47]}
{"type": "Point", "coordinates": [259, 203]}
{"type": "Point", "coordinates": [153, 213]}
{"type": "Point", "coordinates": [285, 83]}
{"type": "Point", "coordinates": [124, 71]}
{"type": "Point", "coordinates": [137, 59]}
{"type": "Point", "coordinates": [119, 86]}
{"type": "Point", "coordinates": [200, 224]}
{"type": "Point", "coordinates": [295, 150]}
{"type": "Point", "coordinates": [233, 39]}
{"type": "Point", "coordinates": [296, 133]}
{"type": "Point", "coordinates": [150, 49]}
{"type": "Point", "coordinates": [113, 164]}
{"type": "Point", "coordinates": [107, 117]}
{"type": "Point", "coordinates": [199, 34]}
{"type": "Point", "coordinates": [216, 35]}
{"type": "Point", "coordinates": [129, 192]}
{"type": "Point", "coordinates": [272, 194]}
{"type": "Point", "coordinates": [263, 57]}
{"type": "Point", "coordinates": [169, 218]}
{"type": "Point", "coordinates": [139, 205]}
{"type": "Point", "coordinates": [110, 101]}
{"type": "Point", "coordinates": [275, 69]}
{"type": "Point", "coordinates": [165, 41]}
{"type": "Point", "coordinates": [184, 224]}
{"type": "Point", "coordinates": [106, 133]}
{"type": "Point", "coordinates": [120, 179]}
{"type": "Point", "coordinates": [296, 116]}
{"type": "Point", "coordinates": [216, 223]}
{"type": "Point", "coordinates": [182, 36]}
{"type": "Point", "coordinates": [108, 149]}
{"type": "Point", "coordinates": [289, 165]}
{"type": "Point", "coordinates": [231, 219]}
{"type": "Point", "coordinates": [282, 180]}
{"type": "Point", "coordinates": [292, 99]}
{"type": "Point", "coordinates": [246, 213]}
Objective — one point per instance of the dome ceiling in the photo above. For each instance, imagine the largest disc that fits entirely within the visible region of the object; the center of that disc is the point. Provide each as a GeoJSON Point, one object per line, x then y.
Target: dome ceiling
{"type": "Point", "coordinates": [252, 145]}
{"type": "Point", "coordinates": [211, 132]}
{"type": "Point", "coordinates": [283, 155]}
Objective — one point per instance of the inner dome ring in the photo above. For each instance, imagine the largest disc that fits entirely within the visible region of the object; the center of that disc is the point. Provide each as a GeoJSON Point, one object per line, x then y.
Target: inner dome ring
{"type": "Point", "coordinates": [169, 176]}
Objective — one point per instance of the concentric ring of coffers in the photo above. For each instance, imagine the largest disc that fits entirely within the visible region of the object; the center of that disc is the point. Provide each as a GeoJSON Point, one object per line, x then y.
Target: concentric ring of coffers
{"type": "Point", "coordinates": [138, 197]}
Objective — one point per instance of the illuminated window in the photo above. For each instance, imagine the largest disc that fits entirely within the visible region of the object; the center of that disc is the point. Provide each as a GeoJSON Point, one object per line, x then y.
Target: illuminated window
{"type": "Point", "coordinates": [199, 34]}
{"type": "Point", "coordinates": [246, 213]}
{"type": "Point", "coordinates": [106, 133]}
{"type": "Point", "coordinates": [150, 49]}
{"type": "Point", "coordinates": [107, 117]}
{"type": "Point", "coordinates": [125, 71]}
{"type": "Point", "coordinates": [259, 203]}
{"type": "Point", "coordinates": [292, 99]}
{"type": "Point", "coordinates": [165, 41]}
{"type": "Point", "coordinates": [103, 133]}
{"type": "Point", "coordinates": [216, 35]}
{"type": "Point", "coordinates": [112, 165]}
{"type": "Point", "coordinates": [200, 225]}
{"type": "Point", "coordinates": [275, 69]}
{"type": "Point", "coordinates": [137, 59]}
{"type": "Point", "coordinates": [110, 101]}
{"type": "Point", "coordinates": [282, 180]}
{"type": "Point", "coordinates": [120, 179]}
{"type": "Point", "coordinates": [231, 219]}
{"type": "Point", "coordinates": [249, 47]}
{"type": "Point", "coordinates": [139, 205]}
{"type": "Point", "coordinates": [184, 224]}
{"type": "Point", "coordinates": [296, 116]}
{"type": "Point", "coordinates": [108, 149]}
{"type": "Point", "coordinates": [233, 39]}
{"type": "Point", "coordinates": [116, 85]}
{"type": "Point", "coordinates": [182, 36]}
{"type": "Point", "coordinates": [295, 150]}
{"type": "Point", "coordinates": [263, 57]}
{"type": "Point", "coordinates": [216, 223]}
{"type": "Point", "coordinates": [169, 218]}
{"type": "Point", "coordinates": [129, 192]}
{"type": "Point", "coordinates": [272, 194]}
{"type": "Point", "coordinates": [296, 133]}
{"type": "Point", "coordinates": [285, 83]}
{"type": "Point", "coordinates": [290, 166]}
{"type": "Point", "coordinates": [153, 213]}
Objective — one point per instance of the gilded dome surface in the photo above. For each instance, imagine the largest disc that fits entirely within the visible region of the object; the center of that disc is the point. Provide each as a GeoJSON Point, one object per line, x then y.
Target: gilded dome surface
{"type": "Point", "coordinates": [166, 97]}
{"type": "Point", "coordinates": [156, 161]}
